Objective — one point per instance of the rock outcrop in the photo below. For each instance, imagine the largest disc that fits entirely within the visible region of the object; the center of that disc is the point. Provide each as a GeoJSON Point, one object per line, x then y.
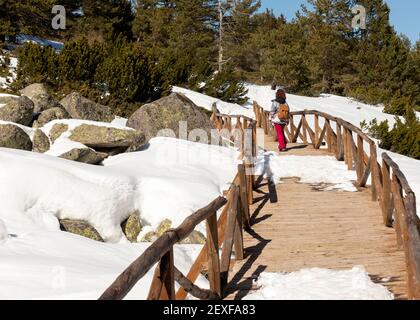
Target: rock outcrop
{"type": "Point", "coordinates": [80, 107]}
{"type": "Point", "coordinates": [13, 137]}
{"type": "Point", "coordinates": [81, 228]}
{"type": "Point", "coordinates": [40, 142]}
{"type": "Point", "coordinates": [167, 113]}
{"type": "Point", "coordinates": [40, 97]}
{"type": "Point", "coordinates": [50, 115]}
{"type": "Point", "coordinates": [84, 155]}
{"type": "Point", "coordinates": [18, 111]}
{"type": "Point", "coordinates": [132, 227]}
{"type": "Point", "coordinates": [97, 137]}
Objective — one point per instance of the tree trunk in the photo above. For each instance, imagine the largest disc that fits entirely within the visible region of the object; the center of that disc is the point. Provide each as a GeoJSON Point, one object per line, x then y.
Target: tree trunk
{"type": "Point", "coordinates": [220, 61]}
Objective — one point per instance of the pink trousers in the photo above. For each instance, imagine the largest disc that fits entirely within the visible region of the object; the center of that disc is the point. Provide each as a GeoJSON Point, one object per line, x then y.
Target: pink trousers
{"type": "Point", "coordinates": [281, 136]}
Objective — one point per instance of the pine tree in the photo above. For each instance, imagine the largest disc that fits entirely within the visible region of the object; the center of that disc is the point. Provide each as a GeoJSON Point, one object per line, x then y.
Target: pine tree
{"type": "Point", "coordinates": [103, 20]}
{"type": "Point", "coordinates": [238, 28]}
{"type": "Point", "coordinates": [327, 26]}
{"type": "Point", "coordinates": [181, 33]}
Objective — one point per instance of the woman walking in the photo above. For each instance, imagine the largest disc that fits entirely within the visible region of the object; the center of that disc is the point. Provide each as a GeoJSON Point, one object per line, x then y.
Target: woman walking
{"type": "Point", "coordinates": [280, 116]}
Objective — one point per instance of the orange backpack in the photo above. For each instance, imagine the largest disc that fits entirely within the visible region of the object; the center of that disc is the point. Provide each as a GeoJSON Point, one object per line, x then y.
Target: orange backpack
{"type": "Point", "coordinates": [284, 112]}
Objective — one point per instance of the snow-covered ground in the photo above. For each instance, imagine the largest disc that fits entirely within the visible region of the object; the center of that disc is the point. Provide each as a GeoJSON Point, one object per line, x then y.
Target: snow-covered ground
{"type": "Point", "coordinates": [170, 180]}
{"type": "Point", "coordinates": [6, 81]}
{"type": "Point", "coordinates": [25, 38]}
{"type": "Point", "coordinates": [319, 284]}
{"type": "Point", "coordinates": [310, 169]}
{"type": "Point", "coordinates": [40, 264]}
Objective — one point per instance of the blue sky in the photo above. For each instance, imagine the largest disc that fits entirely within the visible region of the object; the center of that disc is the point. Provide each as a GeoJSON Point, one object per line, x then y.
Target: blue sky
{"type": "Point", "coordinates": [405, 14]}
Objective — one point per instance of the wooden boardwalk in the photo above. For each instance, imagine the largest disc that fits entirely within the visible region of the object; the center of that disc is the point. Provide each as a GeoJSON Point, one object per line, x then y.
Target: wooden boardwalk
{"type": "Point", "coordinates": [296, 226]}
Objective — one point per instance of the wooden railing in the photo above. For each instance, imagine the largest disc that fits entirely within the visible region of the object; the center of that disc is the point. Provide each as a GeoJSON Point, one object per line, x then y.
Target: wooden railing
{"type": "Point", "coordinates": [388, 185]}
{"type": "Point", "coordinates": [224, 232]}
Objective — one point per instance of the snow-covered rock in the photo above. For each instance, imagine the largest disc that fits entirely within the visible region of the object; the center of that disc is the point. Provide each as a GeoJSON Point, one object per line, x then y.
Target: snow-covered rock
{"type": "Point", "coordinates": [168, 113]}
{"type": "Point", "coordinates": [80, 107]}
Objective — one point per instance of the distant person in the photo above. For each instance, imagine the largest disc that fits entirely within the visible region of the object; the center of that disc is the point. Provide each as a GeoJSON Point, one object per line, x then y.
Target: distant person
{"type": "Point", "coordinates": [280, 116]}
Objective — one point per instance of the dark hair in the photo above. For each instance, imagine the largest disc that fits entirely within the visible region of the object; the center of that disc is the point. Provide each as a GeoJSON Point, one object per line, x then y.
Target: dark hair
{"type": "Point", "coordinates": [281, 93]}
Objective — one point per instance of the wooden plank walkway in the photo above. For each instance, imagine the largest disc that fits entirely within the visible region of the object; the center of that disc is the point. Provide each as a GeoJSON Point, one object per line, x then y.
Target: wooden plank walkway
{"type": "Point", "coordinates": [296, 226]}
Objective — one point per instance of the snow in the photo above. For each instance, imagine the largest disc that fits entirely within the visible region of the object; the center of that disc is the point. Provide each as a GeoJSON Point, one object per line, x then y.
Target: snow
{"type": "Point", "coordinates": [319, 284]}
{"type": "Point", "coordinates": [177, 177]}
{"type": "Point", "coordinates": [24, 38]}
{"type": "Point", "coordinates": [169, 180]}
{"type": "Point", "coordinates": [119, 121]}
{"type": "Point", "coordinates": [207, 102]}
{"type": "Point", "coordinates": [54, 265]}
{"type": "Point", "coordinates": [3, 231]}
{"type": "Point", "coordinates": [63, 145]}
{"type": "Point", "coordinates": [310, 169]}
{"type": "Point", "coordinates": [6, 81]}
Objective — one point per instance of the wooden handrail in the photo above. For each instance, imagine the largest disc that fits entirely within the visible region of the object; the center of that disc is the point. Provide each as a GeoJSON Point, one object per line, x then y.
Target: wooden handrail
{"type": "Point", "coordinates": [389, 185]}
{"type": "Point", "coordinates": [153, 254]}
{"type": "Point", "coordinates": [396, 169]}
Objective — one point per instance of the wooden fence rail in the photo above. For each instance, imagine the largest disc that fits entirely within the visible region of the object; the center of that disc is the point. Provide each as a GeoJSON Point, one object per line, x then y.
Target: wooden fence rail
{"type": "Point", "coordinates": [225, 232]}
{"type": "Point", "coordinates": [388, 185]}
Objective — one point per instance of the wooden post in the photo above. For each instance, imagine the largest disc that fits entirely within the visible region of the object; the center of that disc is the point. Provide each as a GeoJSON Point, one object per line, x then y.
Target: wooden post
{"type": "Point", "coordinates": [349, 149]}
{"type": "Point", "coordinates": [203, 255]}
{"type": "Point", "coordinates": [213, 255]}
{"type": "Point", "coordinates": [317, 130]}
{"type": "Point", "coordinates": [265, 122]}
{"type": "Point", "coordinates": [256, 111]}
{"type": "Point", "coordinates": [238, 240]}
{"type": "Point", "coordinates": [360, 159]}
{"type": "Point", "coordinates": [229, 238]}
{"type": "Point", "coordinates": [244, 195]}
{"type": "Point", "coordinates": [374, 168]}
{"type": "Point", "coordinates": [304, 130]}
{"type": "Point", "coordinates": [387, 203]}
{"type": "Point", "coordinates": [163, 284]}
{"type": "Point", "coordinates": [292, 127]}
{"type": "Point", "coordinates": [400, 213]}
{"type": "Point", "coordinates": [329, 138]}
{"type": "Point", "coordinates": [340, 147]}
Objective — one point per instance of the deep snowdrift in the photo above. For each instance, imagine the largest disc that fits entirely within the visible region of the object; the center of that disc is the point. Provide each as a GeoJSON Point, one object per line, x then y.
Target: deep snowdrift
{"type": "Point", "coordinates": [40, 264]}
{"type": "Point", "coordinates": [169, 180]}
